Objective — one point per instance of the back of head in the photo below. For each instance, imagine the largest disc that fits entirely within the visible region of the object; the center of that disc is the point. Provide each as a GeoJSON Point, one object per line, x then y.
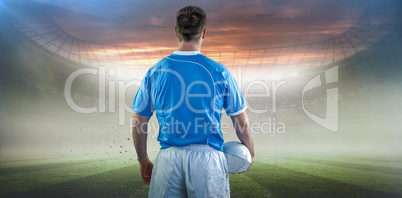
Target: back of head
{"type": "Point", "coordinates": [190, 22]}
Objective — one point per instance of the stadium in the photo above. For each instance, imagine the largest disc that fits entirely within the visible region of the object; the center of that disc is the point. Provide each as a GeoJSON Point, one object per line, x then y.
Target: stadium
{"type": "Point", "coordinates": [324, 112]}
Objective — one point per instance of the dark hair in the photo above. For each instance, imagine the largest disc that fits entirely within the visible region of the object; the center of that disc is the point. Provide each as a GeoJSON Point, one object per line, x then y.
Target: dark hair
{"type": "Point", "coordinates": [190, 22]}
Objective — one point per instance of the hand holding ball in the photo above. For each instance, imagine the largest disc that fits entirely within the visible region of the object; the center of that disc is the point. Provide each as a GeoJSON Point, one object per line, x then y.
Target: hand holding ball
{"type": "Point", "coordinates": [238, 156]}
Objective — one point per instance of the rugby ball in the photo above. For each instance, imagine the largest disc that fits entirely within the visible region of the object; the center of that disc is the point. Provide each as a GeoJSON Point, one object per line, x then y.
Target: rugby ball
{"type": "Point", "coordinates": [238, 156]}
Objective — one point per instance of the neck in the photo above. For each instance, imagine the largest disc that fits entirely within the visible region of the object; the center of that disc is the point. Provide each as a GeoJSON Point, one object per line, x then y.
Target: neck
{"type": "Point", "coordinates": [189, 46]}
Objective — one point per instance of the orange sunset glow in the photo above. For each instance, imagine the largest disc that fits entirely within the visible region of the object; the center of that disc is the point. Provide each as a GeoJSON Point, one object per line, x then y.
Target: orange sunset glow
{"type": "Point", "coordinates": [272, 34]}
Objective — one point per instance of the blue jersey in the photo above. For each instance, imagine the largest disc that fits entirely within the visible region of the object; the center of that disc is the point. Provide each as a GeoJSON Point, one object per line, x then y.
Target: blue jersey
{"type": "Point", "coordinates": [188, 91]}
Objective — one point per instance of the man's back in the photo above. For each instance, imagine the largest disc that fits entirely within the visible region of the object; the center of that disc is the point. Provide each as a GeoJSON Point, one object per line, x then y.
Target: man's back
{"type": "Point", "coordinates": [188, 91]}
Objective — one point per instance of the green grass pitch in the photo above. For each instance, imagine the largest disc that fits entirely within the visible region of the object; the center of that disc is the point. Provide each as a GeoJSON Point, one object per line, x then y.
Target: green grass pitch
{"type": "Point", "coordinates": [270, 177]}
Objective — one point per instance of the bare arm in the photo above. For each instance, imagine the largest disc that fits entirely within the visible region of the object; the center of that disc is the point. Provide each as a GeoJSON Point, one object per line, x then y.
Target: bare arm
{"type": "Point", "coordinates": [140, 143]}
{"type": "Point", "coordinates": [242, 127]}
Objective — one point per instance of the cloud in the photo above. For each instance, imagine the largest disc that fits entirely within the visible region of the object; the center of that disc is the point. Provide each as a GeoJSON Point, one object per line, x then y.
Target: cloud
{"type": "Point", "coordinates": [231, 25]}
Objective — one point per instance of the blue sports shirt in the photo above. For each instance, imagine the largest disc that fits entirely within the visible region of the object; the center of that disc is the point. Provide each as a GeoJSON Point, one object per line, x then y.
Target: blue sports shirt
{"type": "Point", "coordinates": [188, 91]}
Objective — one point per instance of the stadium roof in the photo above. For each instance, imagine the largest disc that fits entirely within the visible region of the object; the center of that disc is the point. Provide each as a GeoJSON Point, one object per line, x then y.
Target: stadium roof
{"type": "Point", "coordinates": [372, 26]}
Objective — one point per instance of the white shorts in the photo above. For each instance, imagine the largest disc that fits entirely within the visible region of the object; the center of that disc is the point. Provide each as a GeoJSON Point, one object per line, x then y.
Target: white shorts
{"type": "Point", "coordinates": [191, 171]}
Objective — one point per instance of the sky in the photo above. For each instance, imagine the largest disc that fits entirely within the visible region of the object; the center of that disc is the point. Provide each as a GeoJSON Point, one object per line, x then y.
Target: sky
{"type": "Point", "coordinates": [231, 25]}
{"type": "Point", "coordinates": [367, 124]}
{"type": "Point", "coordinates": [137, 34]}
